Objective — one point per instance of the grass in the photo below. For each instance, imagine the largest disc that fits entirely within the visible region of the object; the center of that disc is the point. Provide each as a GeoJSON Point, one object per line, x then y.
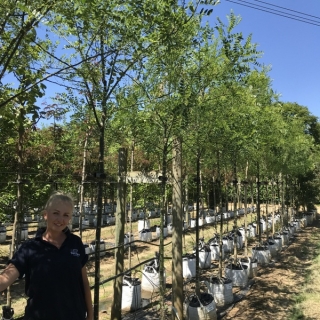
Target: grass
{"type": "Point", "coordinates": [307, 302]}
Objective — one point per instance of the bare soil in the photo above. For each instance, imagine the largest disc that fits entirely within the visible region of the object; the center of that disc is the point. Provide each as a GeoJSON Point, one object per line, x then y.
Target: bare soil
{"type": "Point", "coordinates": [271, 295]}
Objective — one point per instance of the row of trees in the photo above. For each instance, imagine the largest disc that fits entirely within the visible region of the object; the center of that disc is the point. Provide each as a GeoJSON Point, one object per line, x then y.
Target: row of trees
{"type": "Point", "coordinates": [164, 76]}
{"type": "Point", "coordinates": [146, 76]}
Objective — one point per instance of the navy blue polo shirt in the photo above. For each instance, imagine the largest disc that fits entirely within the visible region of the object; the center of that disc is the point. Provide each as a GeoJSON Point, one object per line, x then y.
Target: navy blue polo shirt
{"type": "Point", "coordinates": [53, 279]}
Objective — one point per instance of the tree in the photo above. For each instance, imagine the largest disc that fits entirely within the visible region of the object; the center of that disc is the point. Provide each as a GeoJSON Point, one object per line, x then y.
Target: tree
{"type": "Point", "coordinates": [21, 46]}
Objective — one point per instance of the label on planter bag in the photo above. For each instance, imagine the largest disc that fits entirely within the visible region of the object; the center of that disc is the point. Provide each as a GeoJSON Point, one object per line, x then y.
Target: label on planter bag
{"type": "Point", "coordinates": [229, 286]}
{"type": "Point", "coordinates": [209, 307]}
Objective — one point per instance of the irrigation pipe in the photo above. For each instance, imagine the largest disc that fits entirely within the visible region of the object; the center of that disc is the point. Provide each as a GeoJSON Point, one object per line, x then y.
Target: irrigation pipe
{"type": "Point", "coordinates": [128, 244]}
{"type": "Point", "coordinates": [129, 270]}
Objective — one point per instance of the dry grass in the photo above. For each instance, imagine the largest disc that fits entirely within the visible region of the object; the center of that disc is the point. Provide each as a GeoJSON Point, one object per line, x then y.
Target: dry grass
{"type": "Point", "coordinates": [308, 301]}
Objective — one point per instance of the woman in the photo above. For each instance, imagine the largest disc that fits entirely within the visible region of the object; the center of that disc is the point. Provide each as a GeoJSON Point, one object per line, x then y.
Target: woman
{"type": "Point", "coordinates": [53, 264]}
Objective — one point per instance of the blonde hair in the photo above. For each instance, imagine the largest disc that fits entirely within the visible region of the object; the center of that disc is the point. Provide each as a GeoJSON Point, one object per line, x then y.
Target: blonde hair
{"type": "Point", "coordinates": [58, 195]}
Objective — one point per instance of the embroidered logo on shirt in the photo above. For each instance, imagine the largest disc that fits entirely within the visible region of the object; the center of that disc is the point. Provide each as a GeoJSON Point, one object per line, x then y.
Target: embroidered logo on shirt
{"type": "Point", "coordinates": [75, 253]}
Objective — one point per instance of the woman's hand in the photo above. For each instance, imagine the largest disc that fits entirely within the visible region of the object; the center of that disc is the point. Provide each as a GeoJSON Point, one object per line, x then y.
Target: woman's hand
{"type": "Point", "coordinates": [8, 276]}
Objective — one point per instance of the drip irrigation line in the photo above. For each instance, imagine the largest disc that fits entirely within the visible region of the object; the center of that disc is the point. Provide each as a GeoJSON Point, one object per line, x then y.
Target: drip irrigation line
{"type": "Point", "coordinates": [24, 223]}
{"type": "Point", "coordinates": [280, 15]}
{"type": "Point", "coordinates": [127, 244]}
{"type": "Point", "coordinates": [42, 173]}
{"type": "Point", "coordinates": [127, 271]}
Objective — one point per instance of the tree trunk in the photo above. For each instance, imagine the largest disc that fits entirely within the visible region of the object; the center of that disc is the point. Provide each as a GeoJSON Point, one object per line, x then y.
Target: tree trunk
{"type": "Point", "coordinates": [245, 220]}
{"type": "Point", "coordinates": [252, 196]}
{"type": "Point", "coordinates": [267, 211]}
{"type": "Point", "coordinates": [120, 225]}
{"type": "Point", "coordinates": [214, 196]}
{"type": "Point", "coordinates": [235, 201]}
{"type": "Point", "coordinates": [258, 204]}
{"type": "Point", "coordinates": [197, 228]}
{"type": "Point", "coordinates": [177, 215]}
{"type": "Point", "coordinates": [221, 235]}
{"type": "Point", "coordinates": [18, 216]}
{"type": "Point", "coordinates": [235, 221]}
{"type": "Point", "coordinates": [187, 202]}
{"type": "Point", "coordinates": [163, 217]}
{"type": "Point", "coordinates": [131, 202]}
{"type": "Point", "coordinates": [98, 229]}
{"type": "Point", "coordinates": [83, 176]}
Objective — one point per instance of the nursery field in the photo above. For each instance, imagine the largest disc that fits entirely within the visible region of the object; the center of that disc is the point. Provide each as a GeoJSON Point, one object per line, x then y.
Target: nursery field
{"type": "Point", "coordinates": [287, 288]}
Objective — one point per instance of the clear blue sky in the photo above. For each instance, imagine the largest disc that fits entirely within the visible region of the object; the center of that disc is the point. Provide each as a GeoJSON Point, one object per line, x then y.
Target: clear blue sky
{"type": "Point", "coordinates": [291, 48]}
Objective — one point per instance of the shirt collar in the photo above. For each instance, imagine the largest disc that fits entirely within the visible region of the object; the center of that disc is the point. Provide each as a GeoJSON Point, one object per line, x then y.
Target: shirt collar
{"type": "Point", "coordinates": [41, 231]}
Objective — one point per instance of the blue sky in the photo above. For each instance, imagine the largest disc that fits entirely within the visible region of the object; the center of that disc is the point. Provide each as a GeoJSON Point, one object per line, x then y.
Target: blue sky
{"type": "Point", "coordinates": [290, 47]}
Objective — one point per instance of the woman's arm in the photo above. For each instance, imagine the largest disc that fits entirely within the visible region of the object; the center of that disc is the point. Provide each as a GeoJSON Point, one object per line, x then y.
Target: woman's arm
{"type": "Point", "coordinates": [8, 276]}
{"type": "Point", "coordinates": [87, 293]}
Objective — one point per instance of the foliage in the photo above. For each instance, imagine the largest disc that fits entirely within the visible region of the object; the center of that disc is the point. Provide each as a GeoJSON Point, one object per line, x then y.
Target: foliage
{"type": "Point", "coordinates": [138, 74]}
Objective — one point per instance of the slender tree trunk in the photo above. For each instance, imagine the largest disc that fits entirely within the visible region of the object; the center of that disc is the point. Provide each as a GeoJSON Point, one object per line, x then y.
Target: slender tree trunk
{"type": "Point", "coordinates": [282, 199]}
{"type": "Point", "coordinates": [120, 225]}
{"type": "Point", "coordinates": [202, 201]}
{"type": "Point", "coordinates": [197, 228]}
{"type": "Point", "coordinates": [221, 234]}
{"type": "Point", "coordinates": [245, 219]}
{"type": "Point", "coordinates": [131, 202]}
{"type": "Point", "coordinates": [273, 204]}
{"type": "Point", "coordinates": [220, 213]}
{"type": "Point", "coordinates": [235, 186]}
{"type": "Point", "coordinates": [214, 193]}
{"type": "Point", "coordinates": [245, 184]}
{"type": "Point", "coordinates": [286, 200]}
{"type": "Point", "coordinates": [258, 204]}
{"type": "Point", "coordinates": [18, 216]}
{"type": "Point", "coordinates": [252, 196]}
{"type": "Point", "coordinates": [163, 216]}
{"type": "Point", "coordinates": [227, 203]}
{"type": "Point", "coordinates": [177, 272]}
{"type": "Point", "coordinates": [187, 201]}
{"type": "Point", "coordinates": [98, 229]}
{"type": "Point", "coordinates": [226, 195]}
{"type": "Point", "coordinates": [278, 195]}
{"type": "Point", "coordinates": [267, 210]}
{"type": "Point", "coordinates": [201, 192]}
{"type": "Point", "coordinates": [83, 176]}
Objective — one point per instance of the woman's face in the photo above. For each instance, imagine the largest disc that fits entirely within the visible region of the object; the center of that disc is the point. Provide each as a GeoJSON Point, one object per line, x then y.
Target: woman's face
{"type": "Point", "coordinates": [58, 215]}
